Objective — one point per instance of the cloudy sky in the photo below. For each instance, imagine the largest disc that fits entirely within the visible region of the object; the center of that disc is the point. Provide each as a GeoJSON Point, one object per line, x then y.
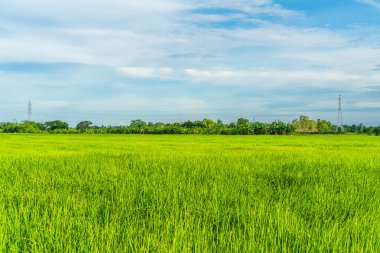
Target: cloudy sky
{"type": "Point", "coordinates": [110, 61]}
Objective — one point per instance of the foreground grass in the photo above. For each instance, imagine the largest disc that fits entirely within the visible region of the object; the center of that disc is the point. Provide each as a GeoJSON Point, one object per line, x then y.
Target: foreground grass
{"type": "Point", "coordinates": [189, 193]}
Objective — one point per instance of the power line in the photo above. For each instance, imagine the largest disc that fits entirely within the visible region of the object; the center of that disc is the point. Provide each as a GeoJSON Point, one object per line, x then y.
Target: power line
{"type": "Point", "coordinates": [30, 111]}
{"type": "Point", "coordinates": [339, 123]}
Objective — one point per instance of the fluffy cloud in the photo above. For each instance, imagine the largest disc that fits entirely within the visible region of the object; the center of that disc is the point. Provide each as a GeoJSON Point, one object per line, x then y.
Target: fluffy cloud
{"type": "Point", "coordinates": [373, 3]}
{"type": "Point", "coordinates": [216, 55]}
{"type": "Point", "coordinates": [146, 72]}
{"type": "Point", "coordinates": [271, 77]}
{"type": "Point", "coordinates": [255, 7]}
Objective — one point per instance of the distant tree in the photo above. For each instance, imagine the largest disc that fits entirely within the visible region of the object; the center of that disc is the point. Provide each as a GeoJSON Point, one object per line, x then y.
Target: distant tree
{"type": "Point", "coordinates": [30, 127]}
{"type": "Point", "coordinates": [324, 126]}
{"type": "Point", "coordinates": [377, 131]}
{"type": "Point", "coordinates": [305, 125]}
{"type": "Point", "coordinates": [208, 123]}
{"type": "Point", "coordinates": [83, 125]}
{"type": "Point", "coordinates": [207, 126]}
{"type": "Point", "coordinates": [187, 124]}
{"type": "Point", "coordinates": [232, 125]}
{"type": "Point", "coordinates": [11, 127]}
{"type": "Point", "coordinates": [56, 125]}
{"type": "Point", "coordinates": [40, 126]}
{"type": "Point", "coordinates": [259, 128]}
{"type": "Point", "coordinates": [159, 125]}
{"type": "Point", "coordinates": [138, 123]}
{"type": "Point", "coordinates": [280, 128]}
{"type": "Point", "coordinates": [361, 128]}
{"type": "Point", "coordinates": [197, 123]}
{"type": "Point", "coordinates": [242, 122]}
{"type": "Point", "coordinates": [356, 128]}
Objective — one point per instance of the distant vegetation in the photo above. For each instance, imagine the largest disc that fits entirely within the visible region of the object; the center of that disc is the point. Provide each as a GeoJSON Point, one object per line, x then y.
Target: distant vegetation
{"type": "Point", "coordinates": [303, 125]}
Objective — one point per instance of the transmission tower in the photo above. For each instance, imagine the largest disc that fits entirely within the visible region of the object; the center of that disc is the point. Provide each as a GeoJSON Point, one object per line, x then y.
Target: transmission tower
{"type": "Point", "coordinates": [29, 111]}
{"type": "Point", "coordinates": [339, 123]}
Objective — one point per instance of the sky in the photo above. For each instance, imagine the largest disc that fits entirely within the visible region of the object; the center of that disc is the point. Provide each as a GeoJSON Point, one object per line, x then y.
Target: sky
{"type": "Point", "coordinates": [111, 61]}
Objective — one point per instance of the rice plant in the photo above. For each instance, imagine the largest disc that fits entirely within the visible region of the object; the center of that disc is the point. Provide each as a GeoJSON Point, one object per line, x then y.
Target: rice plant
{"type": "Point", "coordinates": [170, 193]}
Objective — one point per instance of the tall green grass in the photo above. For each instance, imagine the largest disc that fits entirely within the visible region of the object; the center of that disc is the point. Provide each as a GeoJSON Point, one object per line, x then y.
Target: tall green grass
{"type": "Point", "coordinates": [130, 193]}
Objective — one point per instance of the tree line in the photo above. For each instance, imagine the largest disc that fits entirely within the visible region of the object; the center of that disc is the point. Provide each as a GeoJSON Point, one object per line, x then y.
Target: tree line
{"type": "Point", "coordinates": [301, 125]}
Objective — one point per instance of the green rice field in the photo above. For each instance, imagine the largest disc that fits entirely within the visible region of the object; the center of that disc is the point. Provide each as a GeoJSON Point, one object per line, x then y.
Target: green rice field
{"type": "Point", "coordinates": [171, 193]}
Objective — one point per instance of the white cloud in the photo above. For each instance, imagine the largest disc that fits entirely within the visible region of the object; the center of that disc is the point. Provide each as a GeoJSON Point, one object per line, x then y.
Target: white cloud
{"type": "Point", "coordinates": [260, 79]}
{"type": "Point", "coordinates": [51, 104]}
{"type": "Point", "coordinates": [373, 104]}
{"type": "Point", "coordinates": [270, 78]}
{"type": "Point", "coordinates": [276, 35]}
{"type": "Point", "coordinates": [142, 41]}
{"type": "Point", "coordinates": [84, 9]}
{"type": "Point", "coordinates": [372, 3]}
{"type": "Point", "coordinates": [255, 7]}
{"type": "Point", "coordinates": [171, 40]}
{"type": "Point", "coordinates": [146, 72]}
{"type": "Point", "coordinates": [215, 18]}
{"type": "Point", "coordinates": [350, 59]}
{"type": "Point", "coordinates": [264, 78]}
{"type": "Point", "coordinates": [141, 103]}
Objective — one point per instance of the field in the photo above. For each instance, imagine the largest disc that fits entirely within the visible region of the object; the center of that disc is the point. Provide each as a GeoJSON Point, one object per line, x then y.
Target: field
{"type": "Point", "coordinates": [130, 193]}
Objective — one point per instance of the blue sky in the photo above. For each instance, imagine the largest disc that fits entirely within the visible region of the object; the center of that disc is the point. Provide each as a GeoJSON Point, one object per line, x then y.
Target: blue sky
{"type": "Point", "coordinates": [110, 61]}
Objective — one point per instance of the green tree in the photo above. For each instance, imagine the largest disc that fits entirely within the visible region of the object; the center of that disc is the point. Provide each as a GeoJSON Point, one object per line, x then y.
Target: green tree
{"type": "Point", "coordinates": [56, 125]}
{"type": "Point", "coordinates": [11, 127]}
{"type": "Point", "coordinates": [208, 123]}
{"type": "Point", "coordinates": [83, 125]}
{"type": "Point", "coordinates": [138, 123]}
{"type": "Point", "coordinates": [305, 125]}
{"type": "Point", "coordinates": [30, 127]}
{"type": "Point", "coordinates": [188, 124]}
{"type": "Point", "coordinates": [242, 122]}
{"type": "Point", "coordinates": [324, 126]}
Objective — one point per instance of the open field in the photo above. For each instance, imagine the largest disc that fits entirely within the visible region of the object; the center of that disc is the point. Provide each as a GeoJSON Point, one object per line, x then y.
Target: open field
{"type": "Point", "coordinates": [127, 193]}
